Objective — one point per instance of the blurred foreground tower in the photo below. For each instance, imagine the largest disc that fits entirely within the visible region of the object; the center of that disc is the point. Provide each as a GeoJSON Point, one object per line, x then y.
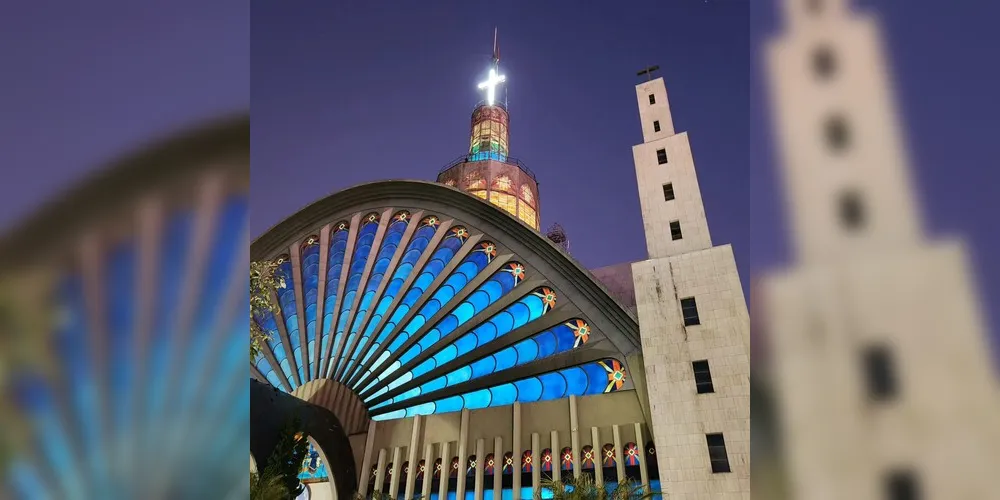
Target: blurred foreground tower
{"type": "Point", "coordinates": [881, 369]}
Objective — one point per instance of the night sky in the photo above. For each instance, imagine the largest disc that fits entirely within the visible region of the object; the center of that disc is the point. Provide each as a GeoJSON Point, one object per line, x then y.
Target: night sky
{"type": "Point", "coordinates": [349, 92]}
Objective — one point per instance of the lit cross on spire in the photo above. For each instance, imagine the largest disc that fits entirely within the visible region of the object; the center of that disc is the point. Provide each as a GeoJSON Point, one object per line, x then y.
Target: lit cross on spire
{"type": "Point", "coordinates": [491, 85]}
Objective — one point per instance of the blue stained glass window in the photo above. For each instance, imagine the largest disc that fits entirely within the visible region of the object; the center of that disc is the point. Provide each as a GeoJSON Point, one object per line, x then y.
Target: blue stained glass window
{"type": "Point", "coordinates": [174, 254]}
{"type": "Point", "coordinates": [286, 300]}
{"type": "Point", "coordinates": [362, 248]}
{"type": "Point", "coordinates": [335, 263]}
{"type": "Point", "coordinates": [468, 308]}
{"type": "Point", "coordinates": [120, 283]}
{"type": "Point", "coordinates": [389, 244]}
{"type": "Point", "coordinates": [589, 378]}
{"type": "Point", "coordinates": [268, 324]}
{"type": "Point", "coordinates": [444, 253]}
{"type": "Point", "coordinates": [310, 288]}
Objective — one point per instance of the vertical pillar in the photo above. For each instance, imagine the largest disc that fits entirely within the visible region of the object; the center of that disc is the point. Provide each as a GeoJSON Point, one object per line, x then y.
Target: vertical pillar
{"type": "Point", "coordinates": [425, 490]}
{"type": "Point", "coordinates": [595, 438]}
{"type": "Point", "coordinates": [397, 469]}
{"type": "Point", "coordinates": [497, 471]}
{"type": "Point", "coordinates": [574, 429]}
{"type": "Point", "coordinates": [366, 462]}
{"type": "Point", "coordinates": [480, 465]}
{"type": "Point", "coordinates": [380, 471]}
{"type": "Point", "coordinates": [516, 453]}
{"type": "Point", "coordinates": [411, 477]}
{"type": "Point", "coordinates": [619, 453]}
{"type": "Point", "coordinates": [536, 463]}
{"type": "Point", "coordinates": [445, 470]}
{"type": "Point", "coordinates": [557, 462]}
{"type": "Point", "coordinates": [643, 457]}
{"type": "Point", "coordinates": [463, 455]}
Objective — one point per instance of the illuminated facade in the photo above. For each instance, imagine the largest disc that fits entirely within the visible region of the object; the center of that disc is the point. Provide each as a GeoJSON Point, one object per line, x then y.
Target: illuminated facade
{"type": "Point", "coordinates": [446, 334]}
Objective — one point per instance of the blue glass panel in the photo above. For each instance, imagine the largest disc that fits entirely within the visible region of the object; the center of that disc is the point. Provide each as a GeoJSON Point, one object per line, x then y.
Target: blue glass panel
{"type": "Point", "coordinates": [526, 351]}
{"type": "Point", "coordinates": [506, 358]}
{"type": "Point", "coordinates": [576, 381]}
{"type": "Point", "coordinates": [359, 258]}
{"type": "Point", "coordinates": [456, 377]}
{"type": "Point", "coordinates": [310, 295]}
{"type": "Point", "coordinates": [478, 399]}
{"type": "Point", "coordinates": [503, 395]}
{"type": "Point", "coordinates": [433, 385]}
{"type": "Point", "coordinates": [488, 330]}
{"type": "Point", "coordinates": [334, 265]}
{"type": "Point", "coordinates": [391, 415]}
{"type": "Point", "coordinates": [528, 390]}
{"type": "Point", "coordinates": [553, 385]}
{"type": "Point", "coordinates": [597, 378]}
{"type": "Point", "coordinates": [171, 274]}
{"type": "Point", "coordinates": [120, 282]}
{"type": "Point", "coordinates": [483, 366]}
{"type": "Point", "coordinates": [546, 342]}
{"type": "Point", "coordinates": [286, 301]}
{"type": "Point", "coordinates": [565, 337]}
{"type": "Point", "coordinates": [390, 243]}
{"type": "Point", "coordinates": [453, 403]}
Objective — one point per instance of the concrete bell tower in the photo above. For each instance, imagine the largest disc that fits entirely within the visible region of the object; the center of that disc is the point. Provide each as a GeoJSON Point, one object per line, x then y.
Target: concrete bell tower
{"type": "Point", "coordinates": [881, 369]}
{"type": "Point", "coordinates": [693, 320]}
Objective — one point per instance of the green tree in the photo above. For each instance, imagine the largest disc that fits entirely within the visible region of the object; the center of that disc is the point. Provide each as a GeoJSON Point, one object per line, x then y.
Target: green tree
{"type": "Point", "coordinates": [263, 282]}
{"type": "Point", "coordinates": [279, 480]}
{"type": "Point", "coordinates": [267, 485]}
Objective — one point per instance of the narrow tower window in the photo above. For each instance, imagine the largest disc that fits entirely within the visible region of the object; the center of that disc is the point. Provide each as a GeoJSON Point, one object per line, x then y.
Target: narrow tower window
{"type": "Point", "coordinates": [661, 156]}
{"type": "Point", "coordinates": [901, 485]}
{"type": "Point", "coordinates": [880, 374]}
{"type": "Point", "coordinates": [675, 230]}
{"type": "Point", "coordinates": [668, 191]}
{"type": "Point", "coordinates": [823, 62]}
{"type": "Point", "coordinates": [652, 99]}
{"type": "Point", "coordinates": [717, 453]}
{"type": "Point", "coordinates": [702, 377]}
{"type": "Point", "coordinates": [689, 309]}
{"type": "Point", "coordinates": [656, 125]}
{"type": "Point", "coordinates": [852, 212]}
{"type": "Point", "coordinates": [837, 135]}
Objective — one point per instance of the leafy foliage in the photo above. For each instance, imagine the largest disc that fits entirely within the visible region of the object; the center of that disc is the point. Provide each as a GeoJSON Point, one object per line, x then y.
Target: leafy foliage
{"type": "Point", "coordinates": [267, 485]}
{"type": "Point", "coordinates": [584, 488]}
{"type": "Point", "coordinates": [280, 479]}
{"type": "Point", "coordinates": [263, 282]}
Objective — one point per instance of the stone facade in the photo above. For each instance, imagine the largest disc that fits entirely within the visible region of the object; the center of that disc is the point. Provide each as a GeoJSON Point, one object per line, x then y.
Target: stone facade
{"type": "Point", "coordinates": [682, 266]}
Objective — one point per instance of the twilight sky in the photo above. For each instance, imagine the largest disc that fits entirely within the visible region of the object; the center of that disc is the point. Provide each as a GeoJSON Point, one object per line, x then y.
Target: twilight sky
{"type": "Point", "coordinates": [348, 92]}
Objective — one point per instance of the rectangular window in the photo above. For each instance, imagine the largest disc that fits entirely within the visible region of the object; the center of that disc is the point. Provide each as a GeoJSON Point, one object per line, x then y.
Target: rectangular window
{"type": "Point", "coordinates": [661, 156]}
{"type": "Point", "coordinates": [675, 230]}
{"type": "Point", "coordinates": [668, 191]}
{"type": "Point", "coordinates": [717, 453]}
{"type": "Point", "coordinates": [702, 376]}
{"type": "Point", "coordinates": [901, 485]}
{"type": "Point", "coordinates": [656, 125]}
{"type": "Point", "coordinates": [652, 99]}
{"type": "Point", "coordinates": [689, 309]}
{"type": "Point", "coordinates": [880, 374]}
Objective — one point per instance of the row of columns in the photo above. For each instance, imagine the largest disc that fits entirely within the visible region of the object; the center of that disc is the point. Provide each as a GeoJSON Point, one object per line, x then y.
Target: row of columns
{"type": "Point", "coordinates": [480, 453]}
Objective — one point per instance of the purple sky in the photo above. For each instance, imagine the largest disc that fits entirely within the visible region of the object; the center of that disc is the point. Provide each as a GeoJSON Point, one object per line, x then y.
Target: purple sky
{"type": "Point", "coordinates": [348, 92]}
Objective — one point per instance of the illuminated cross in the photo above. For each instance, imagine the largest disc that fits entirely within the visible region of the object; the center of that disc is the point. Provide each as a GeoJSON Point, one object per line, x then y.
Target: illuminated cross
{"type": "Point", "coordinates": [491, 84]}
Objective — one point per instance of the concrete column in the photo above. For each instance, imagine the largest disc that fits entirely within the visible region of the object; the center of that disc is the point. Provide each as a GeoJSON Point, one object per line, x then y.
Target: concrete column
{"type": "Point", "coordinates": [445, 470]}
{"type": "Point", "coordinates": [595, 438]}
{"type": "Point", "coordinates": [536, 463]}
{"type": "Point", "coordinates": [411, 477]}
{"type": "Point", "coordinates": [425, 490]}
{"type": "Point", "coordinates": [463, 455]}
{"type": "Point", "coordinates": [380, 471]}
{"type": "Point", "coordinates": [516, 452]}
{"type": "Point", "coordinates": [643, 457]}
{"type": "Point", "coordinates": [619, 454]}
{"type": "Point", "coordinates": [574, 428]}
{"type": "Point", "coordinates": [397, 469]}
{"type": "Point", "coordinates": [497, 468]}
{"type": "Point", "coordinates": [366, 462]}
{"type": "Point", "coordinates": [556, 457]}
{"type": "Point", "coordinates": [480, 465]}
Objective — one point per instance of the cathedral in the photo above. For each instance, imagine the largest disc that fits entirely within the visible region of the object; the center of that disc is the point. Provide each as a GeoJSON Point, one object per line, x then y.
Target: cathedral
{"type": "Point", "coordinates": [435, 343]}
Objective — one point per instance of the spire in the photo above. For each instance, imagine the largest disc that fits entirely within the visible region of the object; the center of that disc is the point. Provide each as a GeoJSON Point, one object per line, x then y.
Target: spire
{"type": "Point", "coordinates": [496, 48]}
